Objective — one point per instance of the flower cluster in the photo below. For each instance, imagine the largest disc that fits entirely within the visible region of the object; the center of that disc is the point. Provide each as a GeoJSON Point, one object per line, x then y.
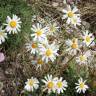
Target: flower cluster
{"type": "Point", "coordinates": [79, 46]}
{"type": "Point", "coordinates": [12, 26]}
{"type": "Point", "coordinates": [44, 48]}
{"type": "Point", "coordinates": [75, 46]}
{"type": "Point", "coordinates": [45, 51]}
{"type": "Point", "coordinates": [55, 85]}
{"type": "Point", "coordinates": [40, 45]}
{"type": "Point", "coordinates": [72, 15]}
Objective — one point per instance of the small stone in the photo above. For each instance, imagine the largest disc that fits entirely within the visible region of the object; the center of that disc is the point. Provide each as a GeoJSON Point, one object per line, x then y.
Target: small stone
{"type": "Point", "coordinates": [55, 4]}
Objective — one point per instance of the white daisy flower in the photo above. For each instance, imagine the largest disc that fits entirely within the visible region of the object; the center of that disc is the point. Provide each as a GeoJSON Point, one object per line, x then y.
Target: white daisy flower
{"type": "Point", "coordinates": [49, 83]}
{"type": "Point", "coordinates": [70, 14]}
{"type": "Point", "coordinates": [3, 35]}
{"type": "Point", "coordinates": [31, 84]}
{"type": "Point", "coordinates": [43, 43]}
{"type": "Point", "coordinates": [81, 86]}
{"type": "Point", "coordinates": [49, 52]}
{"type": "Point", "coordinates": [83, 58]}
{"type": "Point", "coordinates": [13, 25]}
{"type": "Point", "coordinates": [39, 33]}
{"type": "Point", "coordinates": [61, 85]}
{"type": "Point", "coordinates": [73, 46]}
{"type": "Point", "coordinates": [38, 62]}
{"type": "Point", "coordinates": [88, 38]}
{"type": "Point", "coordinates": [76, 21]}
{"type": "Point", "coordinates": [53, 28]}
{"type": "Point", "coordinates": [32, 47]}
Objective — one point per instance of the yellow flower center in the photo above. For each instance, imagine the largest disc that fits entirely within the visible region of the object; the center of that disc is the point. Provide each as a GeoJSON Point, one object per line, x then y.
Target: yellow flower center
{"type": "Point", "coordinates": [30, 82]}
{"type": "Point", "coordinates": [82, 85]}
{"type": "Point", "coordinates": [59, 84]}
{"type": "Point", "coordinates": [88, 39]}
{"type": "Point", "coordinates": [1, 33]}
{"type": "Point", "coordinates": [74, 46]}
{"type": "Point", "coordinates": [49, 52]}
{"type": "Point", "coordinates": [52, 29]}
{"type": "Point", "coordinates": [74, 20]}
{"type": "Point", "coordinates": [13, 24]}
{"type": "Point", "coordinates": [40, 61]}
{"type": "Point", "coordinates": [50, 84]}
{"type": "Point", "coordinates": [82, 58]}
{"type": "Point", "coordinates": [39, 33]}
{"type": "Point", "coordinates": [70, 14]}
{"type": "Point", "coordinates": [34, 45]}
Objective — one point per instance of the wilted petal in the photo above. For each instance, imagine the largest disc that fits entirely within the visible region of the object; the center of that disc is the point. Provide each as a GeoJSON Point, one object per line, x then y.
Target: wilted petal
{"type": "Point", "coordinates": [2, 57]}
